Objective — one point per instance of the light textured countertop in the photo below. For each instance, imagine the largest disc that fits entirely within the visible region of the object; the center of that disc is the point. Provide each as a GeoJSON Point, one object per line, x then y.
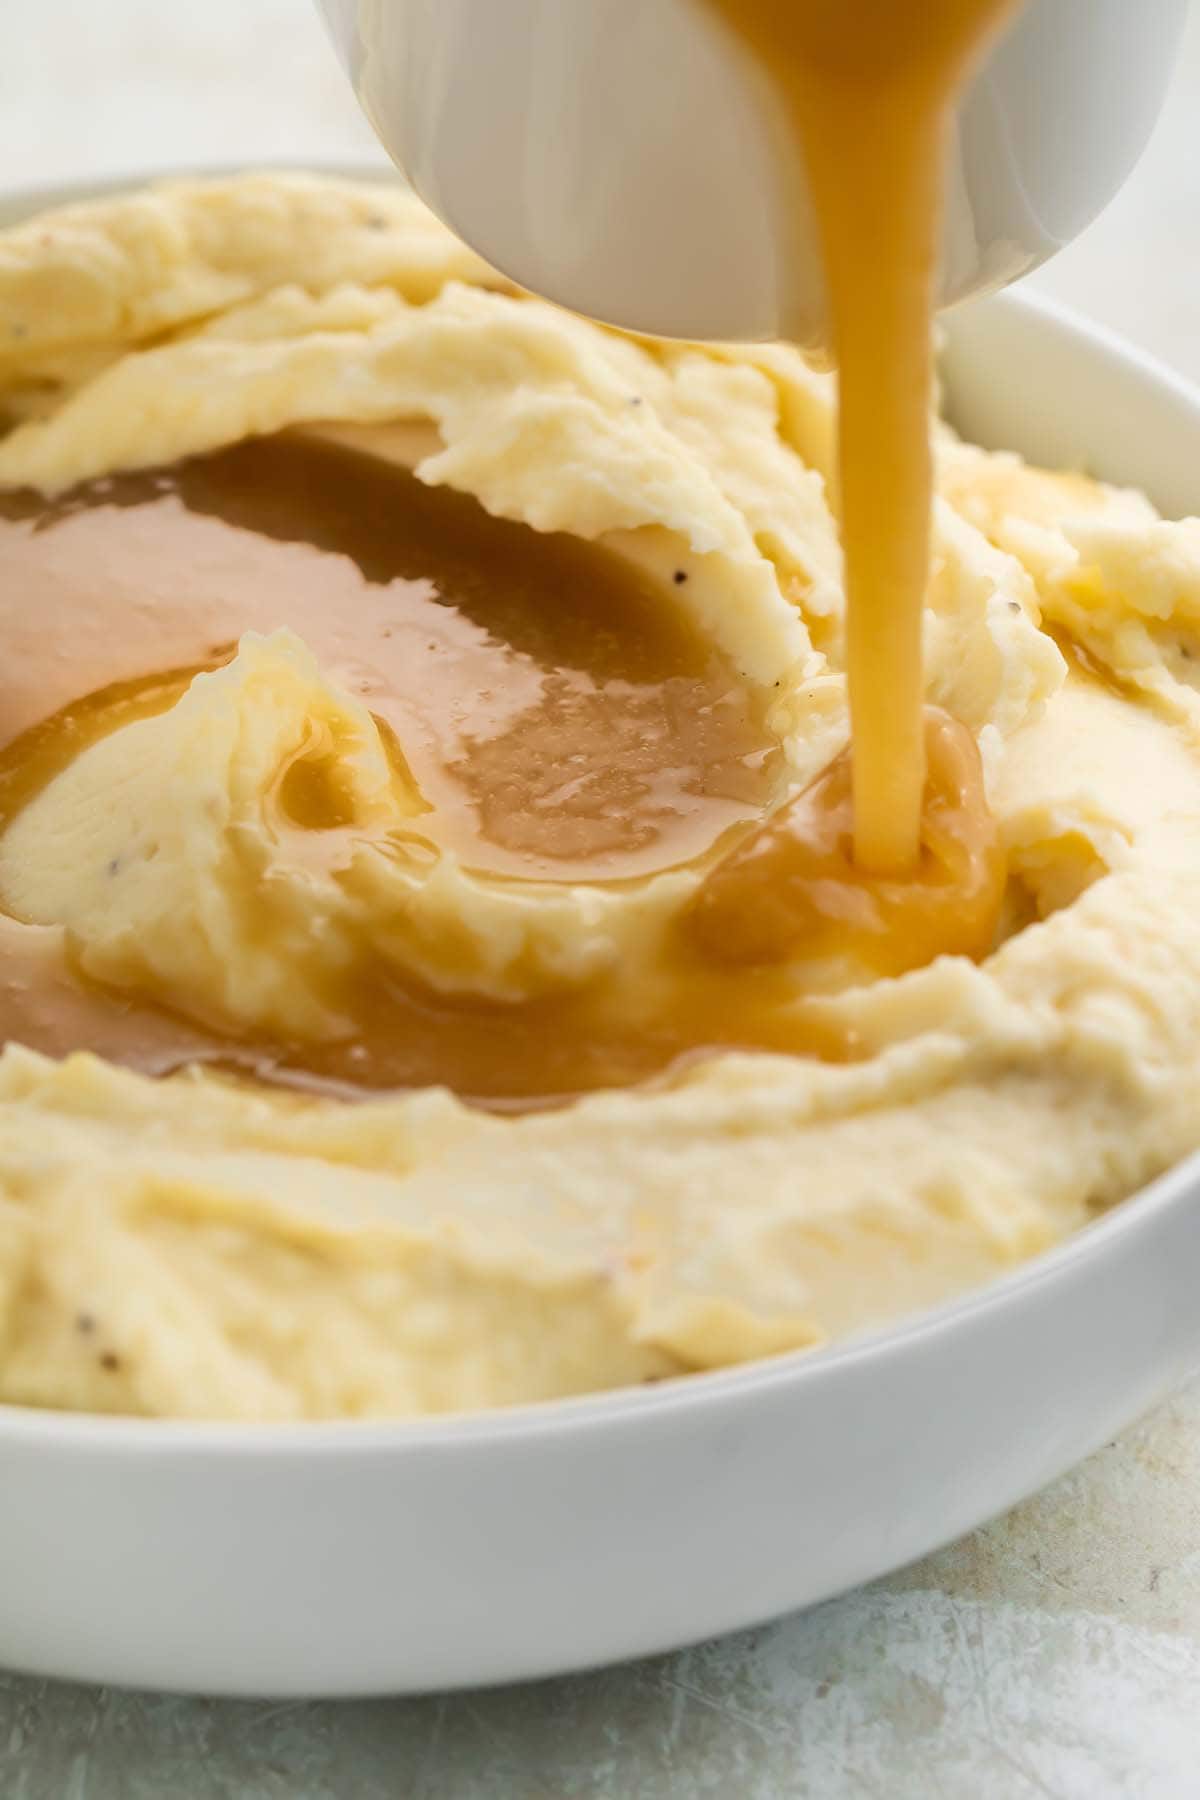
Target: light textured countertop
{"type": "Point", "coordinates": [1054, 1654]}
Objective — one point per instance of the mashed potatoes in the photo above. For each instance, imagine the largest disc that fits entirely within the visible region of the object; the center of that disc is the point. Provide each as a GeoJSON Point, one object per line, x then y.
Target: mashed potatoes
{"type": "Point", "coordinates": [195, 1246]}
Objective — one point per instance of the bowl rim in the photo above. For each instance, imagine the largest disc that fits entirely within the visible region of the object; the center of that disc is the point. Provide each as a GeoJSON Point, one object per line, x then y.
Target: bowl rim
{"type": "Point", "coordinates": [649, 1405]}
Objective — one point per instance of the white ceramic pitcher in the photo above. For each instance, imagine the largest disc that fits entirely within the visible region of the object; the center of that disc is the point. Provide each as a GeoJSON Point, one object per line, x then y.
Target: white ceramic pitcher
{"type": "Point", "coordinates": [625, 157]}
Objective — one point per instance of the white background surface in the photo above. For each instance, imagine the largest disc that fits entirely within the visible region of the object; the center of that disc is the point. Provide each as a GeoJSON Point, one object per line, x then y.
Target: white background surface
{"type": "Point", "coordinates": [1056, 1654]}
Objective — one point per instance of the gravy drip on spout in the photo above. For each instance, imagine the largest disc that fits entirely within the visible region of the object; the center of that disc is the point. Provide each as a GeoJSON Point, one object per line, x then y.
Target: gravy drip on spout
{"type": "Point", "coordinates": [870, 90]}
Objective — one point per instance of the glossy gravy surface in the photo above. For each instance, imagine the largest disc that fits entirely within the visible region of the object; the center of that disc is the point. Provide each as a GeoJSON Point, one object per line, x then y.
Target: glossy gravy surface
{"type": "Point", "coordinates": [559, 717]}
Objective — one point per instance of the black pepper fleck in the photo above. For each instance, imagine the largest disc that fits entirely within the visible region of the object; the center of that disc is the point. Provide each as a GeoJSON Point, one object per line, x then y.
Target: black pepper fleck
{"type": "Point", "coordinates": [114, 867]}
{"type": "Point", "coordinates": [635, 399]}
{"type": "Point", "coordinates": [85, 1322]}
{"type": "Point", "coordinates": [376, 222]}
{"type": "Point", "coordinates": [110, 1361]}
{"type": "Point", "coordinates": [680, 576]}
{"type": "Point", "coordinates": [18, 330]}
{"type": "Point", "coordinates": [1185, 653]}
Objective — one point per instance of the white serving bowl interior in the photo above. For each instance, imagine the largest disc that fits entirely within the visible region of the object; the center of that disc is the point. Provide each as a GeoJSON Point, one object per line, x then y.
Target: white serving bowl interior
{"type": "Point", "coordinates": [353, 1559]}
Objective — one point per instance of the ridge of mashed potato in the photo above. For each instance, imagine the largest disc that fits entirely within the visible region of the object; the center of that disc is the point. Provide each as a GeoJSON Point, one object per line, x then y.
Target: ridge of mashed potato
{"type": "Point", "coordinates": [191, 1247]}
{"type": "Point", "coordinates": [167, 853]}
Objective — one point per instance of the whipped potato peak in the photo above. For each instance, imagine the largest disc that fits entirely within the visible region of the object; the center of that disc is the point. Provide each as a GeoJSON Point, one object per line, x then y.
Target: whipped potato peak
{"type": "Point", "coordinates": [396, 666]}
{"type": "Point", "coordinates": [161, 848]}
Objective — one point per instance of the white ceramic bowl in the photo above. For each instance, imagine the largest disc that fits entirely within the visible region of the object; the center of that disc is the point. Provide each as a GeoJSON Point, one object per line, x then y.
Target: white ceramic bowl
{"type": "Point", "coordinates": [356, 1559]}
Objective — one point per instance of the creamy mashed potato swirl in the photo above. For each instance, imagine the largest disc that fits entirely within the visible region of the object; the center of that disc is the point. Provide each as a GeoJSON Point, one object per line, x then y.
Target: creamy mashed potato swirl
{"type": "Point", "coordinates": [196, 1247]}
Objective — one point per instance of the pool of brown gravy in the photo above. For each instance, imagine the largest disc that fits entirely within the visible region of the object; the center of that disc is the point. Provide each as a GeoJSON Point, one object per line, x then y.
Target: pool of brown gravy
{"type": "Point", "coordinates": [561, 721]}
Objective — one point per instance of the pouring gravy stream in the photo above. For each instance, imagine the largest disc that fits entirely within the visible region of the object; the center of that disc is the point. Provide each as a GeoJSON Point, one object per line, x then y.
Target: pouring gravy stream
{"type": "Point", "coordinates": [870, 91]}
